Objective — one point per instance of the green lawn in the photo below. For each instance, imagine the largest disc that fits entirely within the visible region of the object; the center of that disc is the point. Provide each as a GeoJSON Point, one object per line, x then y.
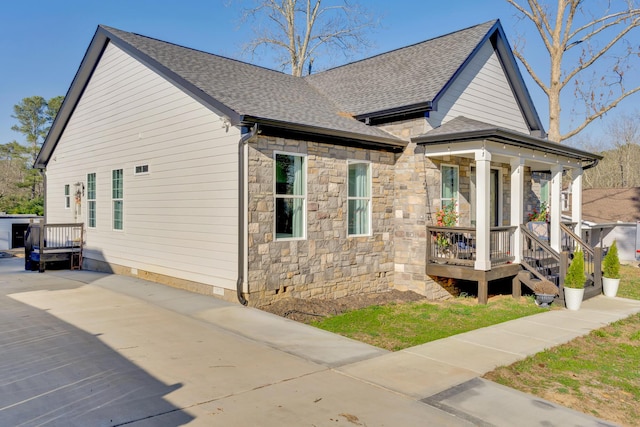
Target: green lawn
{"type": "Point", "coordinates": [597, 374]}
{"type": "Point", "coordinates": [398, 326]}
{"type": "Point", "coordinates": [630, 283]}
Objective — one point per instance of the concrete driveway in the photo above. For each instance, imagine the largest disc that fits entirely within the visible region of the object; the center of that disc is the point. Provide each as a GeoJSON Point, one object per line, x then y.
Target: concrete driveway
{"type": "Point", "coordinates": [89, 349]}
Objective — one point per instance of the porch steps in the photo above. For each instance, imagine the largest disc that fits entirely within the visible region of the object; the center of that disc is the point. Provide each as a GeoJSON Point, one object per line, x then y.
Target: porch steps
{"type": "Point", "coordinates": [545, 267]}
{"type": "Point", "coordinates": [529, 279]}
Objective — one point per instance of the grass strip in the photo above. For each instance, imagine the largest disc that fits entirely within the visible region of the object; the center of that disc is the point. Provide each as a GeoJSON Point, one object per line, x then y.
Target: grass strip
{"type": "Point", "coordinates": [597, 374]}
{"type": "Point", "coordinates": [398, 326]}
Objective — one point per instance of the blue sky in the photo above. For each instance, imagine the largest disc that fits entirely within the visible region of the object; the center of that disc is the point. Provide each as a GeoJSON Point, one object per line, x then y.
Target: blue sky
{"type": "Point", "coordinates": [42, 42]}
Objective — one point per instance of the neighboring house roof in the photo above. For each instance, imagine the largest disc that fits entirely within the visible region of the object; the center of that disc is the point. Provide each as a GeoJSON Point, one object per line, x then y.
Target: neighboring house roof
{"type": "Point", "coordinates": [608, 205]}
{"type": "Point", "coordinates": [405, 80]}
{"type": "Point", "coordinates": [463, 129]}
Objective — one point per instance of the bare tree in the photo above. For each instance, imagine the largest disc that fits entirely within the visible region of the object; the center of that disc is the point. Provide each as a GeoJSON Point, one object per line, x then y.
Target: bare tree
{"type": "Point", "coordinates": [625, 134]}
{"type": "Point", "coordinates": [300, 30]}
{"type": "Point", "coordinates": [619, 168]}
{"type": "Point", "coordinates": [579, 38]}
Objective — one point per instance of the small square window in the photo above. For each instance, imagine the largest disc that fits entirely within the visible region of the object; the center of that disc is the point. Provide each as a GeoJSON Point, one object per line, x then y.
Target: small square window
{"type": "Point", "coordinates": [141, 169]}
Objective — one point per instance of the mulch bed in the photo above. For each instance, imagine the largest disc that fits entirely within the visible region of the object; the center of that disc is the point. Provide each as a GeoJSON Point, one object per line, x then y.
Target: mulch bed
{"type": "Point", "coordinates": [309, 310]}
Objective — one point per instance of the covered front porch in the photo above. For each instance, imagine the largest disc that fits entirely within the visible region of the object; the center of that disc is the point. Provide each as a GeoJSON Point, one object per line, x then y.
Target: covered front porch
{"type": "Point", "coordinates": [493, 198]}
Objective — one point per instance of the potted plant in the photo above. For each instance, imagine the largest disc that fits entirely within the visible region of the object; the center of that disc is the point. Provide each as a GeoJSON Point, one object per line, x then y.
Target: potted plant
{"type": "Point", "coordinates": [611, 271]}
{"type": "Point", "coordinates": [545, 293]}
{"type": "Point", "coordinates": [446, 217]}
{"type": "Point", "coordinates": [574, 282]}
{"type": "Point", "coordinates": [539, 216]}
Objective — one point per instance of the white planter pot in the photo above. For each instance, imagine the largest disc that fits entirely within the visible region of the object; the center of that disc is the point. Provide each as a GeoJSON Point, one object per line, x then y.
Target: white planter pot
{"type": "Point", "coordinates": [573, 298]}
{"type": "Point", "coordinates": [610, 286]}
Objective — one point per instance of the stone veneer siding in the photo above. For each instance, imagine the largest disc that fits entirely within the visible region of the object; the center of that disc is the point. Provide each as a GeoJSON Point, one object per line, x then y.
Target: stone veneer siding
{"type": "Point", "coordinates": [417, 182]}
{"type": "Point", "coordinates": [327, 263]}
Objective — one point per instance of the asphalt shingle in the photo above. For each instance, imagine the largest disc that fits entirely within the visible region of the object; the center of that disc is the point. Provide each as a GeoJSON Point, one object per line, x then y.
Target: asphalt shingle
{"type": "Point", "coordinates": [403, 77]}
{"type": "Point", "coordinates": [326, 100]}
{"type": "Point", "coordinates": [248, 89]}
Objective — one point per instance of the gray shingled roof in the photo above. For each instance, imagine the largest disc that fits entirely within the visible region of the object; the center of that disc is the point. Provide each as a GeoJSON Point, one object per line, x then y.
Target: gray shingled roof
{"type": "Point", "coordinates": [404, 77]}
{"type": "Point", "coordinates": [250, 90]}
{"type": "Point", "coordinates": [459, 124]}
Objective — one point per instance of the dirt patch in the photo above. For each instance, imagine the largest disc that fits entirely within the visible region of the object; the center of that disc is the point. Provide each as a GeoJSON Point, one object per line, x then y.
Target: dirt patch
{"type": "Point", "coordinates": [309, 310]}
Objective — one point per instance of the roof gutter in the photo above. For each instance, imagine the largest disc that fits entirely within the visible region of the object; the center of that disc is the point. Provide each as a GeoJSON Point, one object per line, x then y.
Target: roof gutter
{"type": "Point", "coordinates": [248, 134]}
{"type": "Point", "coordinates": [371, 141]}
{"type": "Point", "coordinates": [421, 107]}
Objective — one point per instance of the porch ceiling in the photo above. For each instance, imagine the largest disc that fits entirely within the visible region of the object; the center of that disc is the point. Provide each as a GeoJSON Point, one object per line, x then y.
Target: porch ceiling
{"type": "Point", "coordinates": [536, 159]}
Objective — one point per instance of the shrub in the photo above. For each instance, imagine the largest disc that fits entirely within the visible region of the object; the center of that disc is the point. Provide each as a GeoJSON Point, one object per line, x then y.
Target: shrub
{"type": "Point", "coordinates": [545, 287]}
{"type": "Point", "coordinates": [575, 274]}
{"type": "Point", "coordinates": [611, 263]}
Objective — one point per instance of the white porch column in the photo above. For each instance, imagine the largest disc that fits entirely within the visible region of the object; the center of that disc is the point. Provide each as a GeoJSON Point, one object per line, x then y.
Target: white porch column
{"type": "Point", "coordinates": [555, 206]}
{"type": "Point", "coordinates": [576, 200]}
{"type": "Point", "coordinates": [483, 216]}
{"type": "Point", "coordinates": [517, 204]}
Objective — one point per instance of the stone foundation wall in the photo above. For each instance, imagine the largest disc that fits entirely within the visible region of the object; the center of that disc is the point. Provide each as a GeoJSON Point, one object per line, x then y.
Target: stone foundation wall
{"type": "Point", "coordinates": [328, 263]}
{"type": "Point", "coordinates": [174, 282]}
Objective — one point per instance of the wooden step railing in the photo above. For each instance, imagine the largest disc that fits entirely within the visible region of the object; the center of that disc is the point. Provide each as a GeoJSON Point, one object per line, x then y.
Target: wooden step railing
{"type": "Point", "coordinates": [540, 258]}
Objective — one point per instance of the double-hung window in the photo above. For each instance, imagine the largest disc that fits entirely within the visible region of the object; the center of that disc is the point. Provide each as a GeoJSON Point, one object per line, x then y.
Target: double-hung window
{"type": "Point", "coordinates": [359, 199]}
{"type": "Point", "coordinates": [449, 190]}
{"type": "Point", "coordinates": [67, 196]}
{"type": "Point", "coordinates": [290, 196]}
{"type": "Point", "coordinates": [117, 196]}
{"type": "Point", "coordinates": [91, 200]}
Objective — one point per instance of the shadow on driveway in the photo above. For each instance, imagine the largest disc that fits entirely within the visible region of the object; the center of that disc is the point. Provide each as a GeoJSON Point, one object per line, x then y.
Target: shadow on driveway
{"type": "Point", "coordinates": [52, 373]}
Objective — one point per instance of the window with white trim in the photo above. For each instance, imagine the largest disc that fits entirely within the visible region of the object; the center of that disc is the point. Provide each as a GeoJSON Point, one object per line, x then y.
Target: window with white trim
{"type": "Point", "coordinates": [450, 187]}
{"type": "Point", "coordinates": [117, 198]}
{"type": "Point", "coordinates": [67, 196]}
{"type": "Point", "coordinates": [91, 200]}
{"type": "Point", "coordinates": [359, 198]}
{"type": "Point", "coordinates": [290, 196]}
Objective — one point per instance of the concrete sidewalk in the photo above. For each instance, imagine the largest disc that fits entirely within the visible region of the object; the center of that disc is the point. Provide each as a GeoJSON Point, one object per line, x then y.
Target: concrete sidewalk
{"type": "Point", "coordinates": [85, 348]}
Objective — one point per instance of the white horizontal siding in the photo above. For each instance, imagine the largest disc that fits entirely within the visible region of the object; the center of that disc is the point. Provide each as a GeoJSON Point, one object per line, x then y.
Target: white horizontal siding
{"type": "Point", "coordinates": [481, 92]}
{"type": "Point", "coordinates": [180, 219]}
